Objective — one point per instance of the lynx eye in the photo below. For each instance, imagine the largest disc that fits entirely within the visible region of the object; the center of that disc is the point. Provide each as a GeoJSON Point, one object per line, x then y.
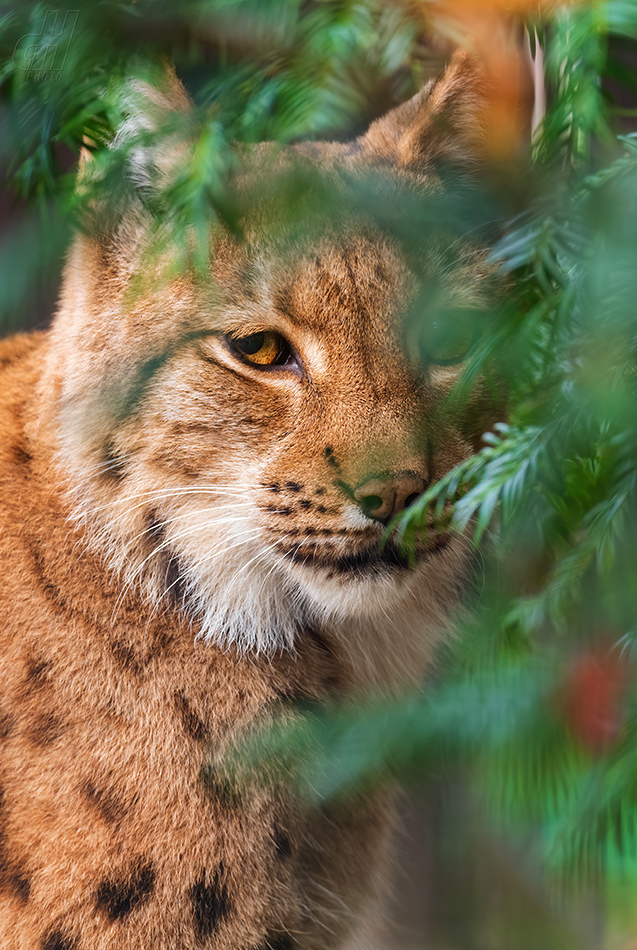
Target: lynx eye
{"type": "Point", "coordinates": [448, 340]}
{"type": "Point", "coordinates": [266, 348]}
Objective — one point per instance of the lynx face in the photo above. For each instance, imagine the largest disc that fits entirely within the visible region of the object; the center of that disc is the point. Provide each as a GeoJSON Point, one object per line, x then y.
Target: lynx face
{"type": "Point", "coordinates": [237, 445]}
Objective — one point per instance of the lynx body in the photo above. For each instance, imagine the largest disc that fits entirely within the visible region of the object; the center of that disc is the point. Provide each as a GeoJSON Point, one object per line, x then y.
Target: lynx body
{"type": "Point", "coordinates": [189, 529]}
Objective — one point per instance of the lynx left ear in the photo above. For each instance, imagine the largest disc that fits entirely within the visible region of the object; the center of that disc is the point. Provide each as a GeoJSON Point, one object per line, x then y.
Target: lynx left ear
{"type": "Point", "coordinates": [452, 120]}
{"type": "Point", "coordinates": [148, 131]}
{"type": "Point", "coordinates": [152, 110]}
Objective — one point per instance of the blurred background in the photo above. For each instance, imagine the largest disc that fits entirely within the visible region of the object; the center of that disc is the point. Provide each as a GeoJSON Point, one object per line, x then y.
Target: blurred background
{"type": "Point", "coordinates": [519, 757]}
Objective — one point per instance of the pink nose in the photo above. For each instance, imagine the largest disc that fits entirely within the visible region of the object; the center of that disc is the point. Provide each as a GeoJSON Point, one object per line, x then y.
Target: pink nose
{"type": "Point", "coordinates": [383, 497]}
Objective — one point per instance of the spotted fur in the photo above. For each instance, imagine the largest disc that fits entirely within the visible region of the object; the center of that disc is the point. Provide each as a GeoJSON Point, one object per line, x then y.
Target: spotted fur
{"type": "Point", "coordinates": [183, 559]}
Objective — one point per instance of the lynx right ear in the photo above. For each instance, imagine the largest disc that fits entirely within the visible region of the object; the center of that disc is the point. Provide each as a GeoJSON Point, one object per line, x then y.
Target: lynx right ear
{"type": "Point", "coordinates": [452, 120]}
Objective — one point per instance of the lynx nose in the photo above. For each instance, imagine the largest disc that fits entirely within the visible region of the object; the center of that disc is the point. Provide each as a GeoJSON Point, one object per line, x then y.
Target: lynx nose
{"type": "Point", "coordinates": [383, 497]}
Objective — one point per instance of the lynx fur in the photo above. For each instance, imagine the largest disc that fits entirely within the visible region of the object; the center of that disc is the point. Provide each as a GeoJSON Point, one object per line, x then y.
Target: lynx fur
{"type": "Point", "coordinates": [190, 545]}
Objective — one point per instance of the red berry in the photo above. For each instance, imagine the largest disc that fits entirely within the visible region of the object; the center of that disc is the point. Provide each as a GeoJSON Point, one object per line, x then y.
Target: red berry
{"type": "Point", "coordinates": [592, 698]}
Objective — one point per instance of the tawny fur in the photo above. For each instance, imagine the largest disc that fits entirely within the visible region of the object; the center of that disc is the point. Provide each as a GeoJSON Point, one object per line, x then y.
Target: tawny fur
{"type": "Point", "coordinates": [168, 521]}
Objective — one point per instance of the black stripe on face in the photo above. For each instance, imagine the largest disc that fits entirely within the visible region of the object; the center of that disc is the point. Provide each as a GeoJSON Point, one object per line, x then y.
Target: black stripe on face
{"type": "Point", "coordinates": [155, 530]}
{"type": "Point", "coordinates": [114, 464]}
{"type": "Point", "coordinates": [174, 582]}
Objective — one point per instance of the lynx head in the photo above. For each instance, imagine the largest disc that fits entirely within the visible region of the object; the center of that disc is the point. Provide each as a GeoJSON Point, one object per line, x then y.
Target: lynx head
{"type": "Point", "coordinates": [236, 441]}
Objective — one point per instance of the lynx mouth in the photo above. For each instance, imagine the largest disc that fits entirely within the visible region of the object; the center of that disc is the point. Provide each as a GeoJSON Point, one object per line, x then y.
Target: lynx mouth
{"type": "Point", "coordinates": [372, 560]}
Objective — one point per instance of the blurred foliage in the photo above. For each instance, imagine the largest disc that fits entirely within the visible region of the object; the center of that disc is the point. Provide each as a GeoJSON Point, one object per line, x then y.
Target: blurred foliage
{"type": "Point", "coordinates": [257, 69]}
{"type": "Point", "coordinates": [536, 695]}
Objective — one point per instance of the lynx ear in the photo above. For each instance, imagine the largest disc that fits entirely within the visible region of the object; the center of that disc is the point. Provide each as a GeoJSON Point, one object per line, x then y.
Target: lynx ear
{"type": "Point", "coordinates": [155, 114]}
{"type": "Point", "coordinates": [450, 121]}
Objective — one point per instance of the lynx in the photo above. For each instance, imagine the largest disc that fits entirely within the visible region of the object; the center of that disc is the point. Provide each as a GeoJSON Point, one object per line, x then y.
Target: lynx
{"type": "Point", "coordinates": [195, 480]}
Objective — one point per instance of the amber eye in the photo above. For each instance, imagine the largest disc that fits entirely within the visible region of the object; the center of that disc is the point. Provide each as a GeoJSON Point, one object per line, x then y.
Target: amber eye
{"type": "Point", "coordinates": [447, 340]}
{"type": "Point", "coordinates": [265, 348]}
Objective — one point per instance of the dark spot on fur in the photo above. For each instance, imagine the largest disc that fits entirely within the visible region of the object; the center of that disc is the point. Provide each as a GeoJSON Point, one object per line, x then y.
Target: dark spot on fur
{"type": "Point", "coordinates": [329, 451]}
{"type": "Point", "coordinates": [170, 566]}
{"type": "Point", "coordinates": [282, 843]}
{"type": "Point", "coordinates": [44, 728]}
{"type": "Point", "coordinates": [37, 674]}
{"type": "Point", "coordinates": [18, 883]}
{"type": "Point", "coordinates": [277, 942]}
{"type": "Point", "coordinates": [114, 464]}
{"type": "Point", "coordinates": [156, 530]}
{"type": "Point", "coordinates": [332, 461]}
{"type": "Point", "coordinates": [127, 657]}
{"type": "Point", "coordinates": [191, 722]}
{"type": "Point", "coordinates": [7, 725]}
{"type": "Point", "coordinates": [50, 590]}
{"type": "Point", "coordinates": [56, 940]}
{"type": "Point", "coordinates": [173, 581]}
{"type": "Point", "coordinates": [285, 510]}
{"type": "Point", "coordinates": [275, 487]}
{"type": "Point", "coordinates": [283, 302]}
{"type": "Point", "coordinates": [162, 639]}
{"type": "Point", "coordinates": [104, 801]}
{"type": "Point", "coordinates": [320, 491]}
{"type": "Point", "coordinates": [55, 596]}
{"type": "Point", "coordinates": [21, 456]}
{"type": "Point", "coordinates": [309, 531]}
{"type": "Point", "coordinates": [13, 877]}
{"type": "Point", "coordinates": [321, 508]}
{"type": "Point", "coordinates": [118, 898]}
{"type": "Point", "coordinates": [293, 486]}
{"type": "Point", "coordinates": [210, 905]}
{"type": "Point", "coordinates": [305, 504]}
{"type": "Point", "coordinates": [220, 787]}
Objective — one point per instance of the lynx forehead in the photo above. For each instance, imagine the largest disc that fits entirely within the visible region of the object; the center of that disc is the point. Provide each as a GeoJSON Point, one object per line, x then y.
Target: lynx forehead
{"type": "Point", "coordinates": [195, 473]}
